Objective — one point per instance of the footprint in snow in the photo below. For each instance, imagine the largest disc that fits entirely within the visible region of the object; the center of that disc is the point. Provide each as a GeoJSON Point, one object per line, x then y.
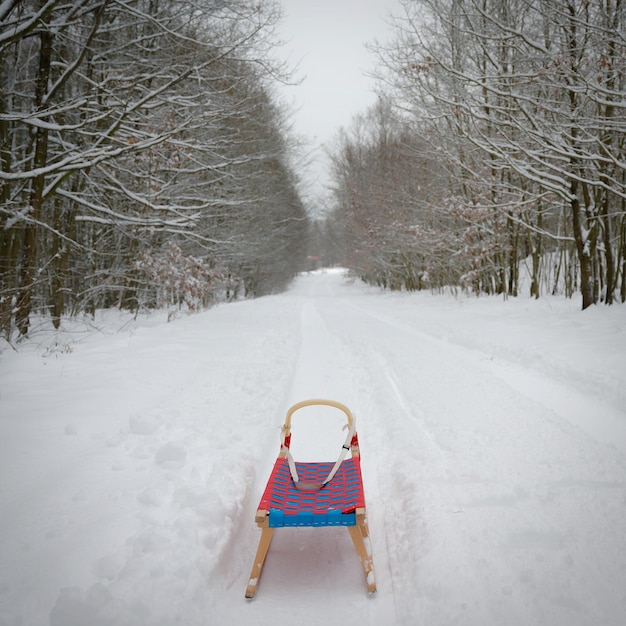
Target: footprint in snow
{"type": "Point", "coordinates": [107, 567]}
{"type": "Point", "coordinates": [143, 424]}
{"type": "Point", "coordinates": [171, 456]}
{"type": "Point", "coordinates": [149, 498]}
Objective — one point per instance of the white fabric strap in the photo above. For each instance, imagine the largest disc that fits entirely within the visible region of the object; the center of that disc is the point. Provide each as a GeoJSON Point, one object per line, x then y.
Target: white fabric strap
{"type": "Point", "coordinates": [292, 465]}
{"type": "Point", "coordinates": [342, 454]}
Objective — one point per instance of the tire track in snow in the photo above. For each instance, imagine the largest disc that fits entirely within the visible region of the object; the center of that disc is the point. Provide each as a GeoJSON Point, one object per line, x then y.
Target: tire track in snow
{"type": "Point", "coordinates": [327, 369]}
{"type": "Point", "coordinates": [600, 421]}
{"type": "Point", "coordinates": [413, 413]}
{"type": "Point", "coordinates": [388, 438]}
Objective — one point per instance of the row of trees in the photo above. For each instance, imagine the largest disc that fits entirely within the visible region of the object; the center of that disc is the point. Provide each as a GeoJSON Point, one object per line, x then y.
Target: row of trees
{"type": "Point", "coordinates": [140, 141]}
{"type": "Point", "coordinates": [505, 148]}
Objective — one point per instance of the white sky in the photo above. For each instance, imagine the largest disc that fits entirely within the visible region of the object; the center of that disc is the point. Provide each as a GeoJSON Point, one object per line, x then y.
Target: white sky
{"type": "Point", "coordinates": [327, 38]}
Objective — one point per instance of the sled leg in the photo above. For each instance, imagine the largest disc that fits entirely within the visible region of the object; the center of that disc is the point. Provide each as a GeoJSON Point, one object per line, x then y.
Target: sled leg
{"type": "Point", "coordinates": [360, 539]}
{"type": "Point", "coordinates": [259, 559]}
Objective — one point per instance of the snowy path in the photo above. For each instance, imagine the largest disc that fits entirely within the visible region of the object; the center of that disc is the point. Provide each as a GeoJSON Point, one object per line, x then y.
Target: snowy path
{"type": "Point", "coordinates": [493, 438]}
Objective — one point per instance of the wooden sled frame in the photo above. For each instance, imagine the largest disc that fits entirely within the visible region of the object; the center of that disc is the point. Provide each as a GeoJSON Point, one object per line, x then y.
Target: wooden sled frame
{"type": "Point", "coordinates": [354, 518]}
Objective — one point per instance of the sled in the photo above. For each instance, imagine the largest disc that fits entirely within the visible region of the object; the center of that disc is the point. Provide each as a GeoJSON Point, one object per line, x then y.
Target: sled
{"type": "Point", "coordinates": [314, 494]}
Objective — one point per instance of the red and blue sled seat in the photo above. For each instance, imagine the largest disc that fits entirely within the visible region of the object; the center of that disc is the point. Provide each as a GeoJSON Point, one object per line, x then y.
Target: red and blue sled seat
{"type": "Point", "coordinates": [315, 494]}
{"type": "Point", "coordinates": [334, 504]}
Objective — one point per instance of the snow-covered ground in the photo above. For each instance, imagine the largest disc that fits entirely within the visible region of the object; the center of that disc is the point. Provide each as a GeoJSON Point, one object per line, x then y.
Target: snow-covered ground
{"type": "Point", "coordinates": [493, 439]}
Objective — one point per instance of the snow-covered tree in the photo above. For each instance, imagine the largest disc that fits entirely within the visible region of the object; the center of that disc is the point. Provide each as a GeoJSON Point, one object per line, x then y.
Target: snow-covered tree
{"type": "Point", "coordinates": [121, 128]}
{"type": "Point", "coordinates": [386, 194]}
{"type": "Point", "coordinates": [524, 102]}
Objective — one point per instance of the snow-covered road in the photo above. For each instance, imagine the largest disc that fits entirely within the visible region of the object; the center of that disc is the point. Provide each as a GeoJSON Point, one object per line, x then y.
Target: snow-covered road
{"type": "Point", "coordinates": [493, 437]}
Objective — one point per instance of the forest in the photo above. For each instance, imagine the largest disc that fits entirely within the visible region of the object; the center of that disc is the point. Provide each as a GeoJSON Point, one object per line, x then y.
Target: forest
{"type": "Point", "coordinates": [495, 159]}
{"type": "Point", "coordinates": [146, 161]}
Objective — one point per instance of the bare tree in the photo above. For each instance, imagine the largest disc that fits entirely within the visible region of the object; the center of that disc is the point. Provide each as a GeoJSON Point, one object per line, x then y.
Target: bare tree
{"type": "Point", "coordinates": [386, 189]}
{"type": "Point", "coordinates": [522, 100]}
{"type": "Point", "coordinates": [119, 131]}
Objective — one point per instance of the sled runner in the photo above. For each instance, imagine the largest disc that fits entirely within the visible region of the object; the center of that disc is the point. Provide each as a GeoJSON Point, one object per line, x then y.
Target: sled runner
{"type": "Point", "coordinates": [314, 494]}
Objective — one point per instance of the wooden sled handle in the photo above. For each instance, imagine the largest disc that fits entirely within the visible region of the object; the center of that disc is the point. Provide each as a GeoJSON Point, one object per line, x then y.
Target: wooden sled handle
{"type": "Point", "coordinates": [316, 402]}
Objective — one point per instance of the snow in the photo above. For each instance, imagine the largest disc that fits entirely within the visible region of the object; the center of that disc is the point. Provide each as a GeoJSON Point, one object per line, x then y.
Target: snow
{"type": "Point", "coordinates": [493, 442]}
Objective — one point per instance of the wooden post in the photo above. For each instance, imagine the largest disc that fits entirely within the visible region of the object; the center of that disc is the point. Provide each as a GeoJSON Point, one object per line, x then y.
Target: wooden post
{"type": "Point", "coordinates": [360, 539]}
{"type": "Point", "coordinates": [267, 533]}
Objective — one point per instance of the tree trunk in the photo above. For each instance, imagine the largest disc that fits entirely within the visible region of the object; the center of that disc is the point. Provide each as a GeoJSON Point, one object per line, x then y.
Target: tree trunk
{"type": "Point", "coordinates": [29, 250]}
{"type": "Point", "coordinates": [608, 253]}
{"type": "Point", "coordinates": [623, 254]}
{"type": "Point", "coordinates": [583, 249]}
{"type": "Point", "coordinates": [7, 236]}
